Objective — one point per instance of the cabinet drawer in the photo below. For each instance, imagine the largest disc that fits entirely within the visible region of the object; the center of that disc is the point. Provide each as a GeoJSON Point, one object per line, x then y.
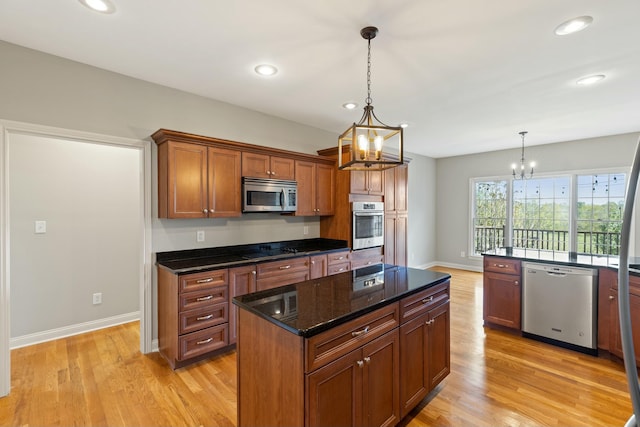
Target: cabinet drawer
{"type": "Point", "coordinates": [502, 265]}
{"type": "Point", "coordinates": [201, 318]}
{"type": "Point", "coordinates": [204, 341]}
{"type": "Point", "coordinates": [338, 268]}
{"type": "Point", "coordinates": [414, 305]}
{"type": "Point", "coordinates": [204, 280]}
{"type": "Point", "coordinates": [283, 267]}
{"type": "Point", "coordinates": [203, 298]}
{"type": "Point", "coordinates": [338, 257]}
{"type": "Point", "coordinates": [334, 343]}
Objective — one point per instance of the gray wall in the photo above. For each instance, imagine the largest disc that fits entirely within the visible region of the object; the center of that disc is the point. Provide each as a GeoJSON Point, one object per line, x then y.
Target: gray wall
{"type": "Point", "coordinates": [453, 175]}
{"type": "Point", "coordinates": [52, 91]}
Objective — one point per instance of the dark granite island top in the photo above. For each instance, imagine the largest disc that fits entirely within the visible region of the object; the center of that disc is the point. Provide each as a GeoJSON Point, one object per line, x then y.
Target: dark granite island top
{"type": "Point", "coordinates": [311, 307]}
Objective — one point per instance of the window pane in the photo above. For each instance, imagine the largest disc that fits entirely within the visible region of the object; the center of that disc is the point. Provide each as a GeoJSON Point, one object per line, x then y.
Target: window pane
{"type": "Point", "coordinates": [489, 215]}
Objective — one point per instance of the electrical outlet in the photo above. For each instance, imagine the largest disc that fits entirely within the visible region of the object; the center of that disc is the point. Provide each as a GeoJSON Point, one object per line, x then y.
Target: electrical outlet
{"type": "Point", "coordinates": [200, 236]}
{"type": "Point", "coordinates": [462, 254]}
{"type": "Point", "coordinates": [41, 227]}
{"type": "Point", "coordinates": [97, 298]}
{"type": "Point", "coordinates": [305, 230]}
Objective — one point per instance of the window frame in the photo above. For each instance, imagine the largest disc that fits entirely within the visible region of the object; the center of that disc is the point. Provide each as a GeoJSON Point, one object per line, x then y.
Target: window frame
{"type": "Point", "coordinates": [573, 207]}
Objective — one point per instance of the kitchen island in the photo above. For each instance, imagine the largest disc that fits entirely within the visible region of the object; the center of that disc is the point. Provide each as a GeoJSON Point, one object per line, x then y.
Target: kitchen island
{"type": "Point", "coordinates": [356, 348]}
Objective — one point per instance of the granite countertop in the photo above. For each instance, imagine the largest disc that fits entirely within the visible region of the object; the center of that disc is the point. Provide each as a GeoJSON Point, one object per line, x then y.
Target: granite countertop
{"type": "Point", "coordinates": [193, 260]}
{"type": "Point", "coordinates": [310, 307]}
{"type": "Point", "coordinates": [564, 258]}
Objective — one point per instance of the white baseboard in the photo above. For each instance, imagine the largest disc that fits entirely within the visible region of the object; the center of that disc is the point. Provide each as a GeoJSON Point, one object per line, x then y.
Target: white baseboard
{"type": "Point", "coordinates": [67, 331]}
{"type": "Point", "coordinates": [457, 266]}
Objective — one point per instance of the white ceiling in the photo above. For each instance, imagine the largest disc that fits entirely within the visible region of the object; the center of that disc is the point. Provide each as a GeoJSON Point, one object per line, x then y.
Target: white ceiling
{"type": "Point", "coordinates": [467, 75]}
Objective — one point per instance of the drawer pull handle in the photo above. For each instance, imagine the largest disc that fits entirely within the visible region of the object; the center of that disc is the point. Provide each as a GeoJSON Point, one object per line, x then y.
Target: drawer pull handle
{"type": "Point", "coordinates": [339, 258]}
{"type": "Point", "coordinates": [207, 317]}
{"type": "Point", "coordinates": [207, 341]}
{"type": "Point", "coordinates": [207, 298]}
{"type": "Point", "coordinates": [427, 300]}
{"type": "Point", "coordinates": [341, 269]}
{"type": "Point", "coordinates": [367, 359]}
{"type": "Point", "coordinates": [500, 265]}
{"type": "Point", "coordinates": [361, 332]}
{"type": "Point", "coordinates": [284, 267]}
{"type": "Point", "coordinates": [360, 363]}
{"type": "Point", "coordinates": [207, 280]}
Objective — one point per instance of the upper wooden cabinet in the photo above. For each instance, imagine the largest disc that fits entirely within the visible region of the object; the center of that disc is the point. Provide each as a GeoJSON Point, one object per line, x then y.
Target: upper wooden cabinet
{"type": "Point", "coordinates": [395, 188]}
{"type": "Point", "coordinates": [367, 182]}
{"type": "Point", "coordinates": [195, 181]}
{"type": "Point", "coordinates": [316, 188]}
{"type": "Point", "coordinates": [264, 166]}
{"type": "Point", "coordinates": [201, 177]}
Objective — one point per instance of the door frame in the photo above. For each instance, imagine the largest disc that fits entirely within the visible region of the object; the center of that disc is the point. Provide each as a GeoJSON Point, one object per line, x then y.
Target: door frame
{"type": "Point", "coordinates": [145, 287]}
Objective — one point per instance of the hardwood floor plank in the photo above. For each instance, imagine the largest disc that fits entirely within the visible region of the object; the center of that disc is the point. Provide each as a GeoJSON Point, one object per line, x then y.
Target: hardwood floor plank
{"type": "Point", "coordinates": [497, 379]}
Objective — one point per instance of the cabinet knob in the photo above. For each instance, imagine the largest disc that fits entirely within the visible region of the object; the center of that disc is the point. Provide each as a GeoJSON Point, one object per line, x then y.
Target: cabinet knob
{"type": "Point", "coordinates": [360, 363]}
{"type": "Point", "coordinates": [212, 210]}
{"type": "Point", "coordinates": [253, 272]}
{"type": "Point", "coordinates": [313, 262]}
{"type": "Point", "coordinates": [516, 283]}
{"type": "Point", "coordinates": [367, 359]}
{"type": "Point", "coordinates": [430, 322]}
{"type": "Point", "coordinates": [206, 211]}
{"type": "Point", "coordinates": [268, 172]}
{"type": "Point", "coordinates": [611, 297]}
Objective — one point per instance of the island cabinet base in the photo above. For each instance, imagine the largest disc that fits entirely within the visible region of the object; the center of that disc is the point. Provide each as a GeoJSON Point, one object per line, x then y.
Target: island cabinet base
{"type": "Point", "coordinates": [369, 371]}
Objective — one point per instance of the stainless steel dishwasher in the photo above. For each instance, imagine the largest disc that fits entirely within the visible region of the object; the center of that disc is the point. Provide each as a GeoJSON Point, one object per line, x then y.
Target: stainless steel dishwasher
{"type": "Point", "coordinates": [559, 305]}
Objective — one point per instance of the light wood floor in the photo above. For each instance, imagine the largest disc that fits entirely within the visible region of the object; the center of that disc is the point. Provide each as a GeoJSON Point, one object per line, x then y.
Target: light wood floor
{"type": "Point", "coordinates": [496, 379]}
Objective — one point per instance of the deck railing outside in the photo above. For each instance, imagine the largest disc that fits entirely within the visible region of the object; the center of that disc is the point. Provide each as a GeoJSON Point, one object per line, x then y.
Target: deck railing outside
{"type": "Point", "coordinates": [595, 242]}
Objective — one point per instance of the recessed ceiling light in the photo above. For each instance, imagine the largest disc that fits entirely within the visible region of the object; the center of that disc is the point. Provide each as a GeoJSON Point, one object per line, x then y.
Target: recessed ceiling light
{"type": "Point", "coordinates": [573, 25]}
{"type": "Point", "coordinates": [589, 80]}
{"type": "Point", "coordinates": [349, 105]}
{"type": "Point", "coordinates": [266, 70]}
{"type": "Point", "coordinates": [102, 6]}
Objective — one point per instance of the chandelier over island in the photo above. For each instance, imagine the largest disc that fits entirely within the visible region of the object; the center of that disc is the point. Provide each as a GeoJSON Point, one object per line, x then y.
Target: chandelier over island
{"type": "Point", "coordinates": [371, 143]}
{"type": "Point", "coordinates": [520, 173]}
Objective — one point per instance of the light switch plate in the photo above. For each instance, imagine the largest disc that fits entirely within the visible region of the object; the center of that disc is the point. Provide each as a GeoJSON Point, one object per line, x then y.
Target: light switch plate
{"type": "Point", "coordinates": [41, 227]}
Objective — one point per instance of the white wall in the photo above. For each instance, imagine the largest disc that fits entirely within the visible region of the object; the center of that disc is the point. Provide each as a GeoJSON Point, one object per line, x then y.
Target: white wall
{"type": "Point", "coordinates": [52, 91]}
{"type": "Point", "coordinates": [90, 198]}
{"type": "Point", "coordinates": [453, 174]}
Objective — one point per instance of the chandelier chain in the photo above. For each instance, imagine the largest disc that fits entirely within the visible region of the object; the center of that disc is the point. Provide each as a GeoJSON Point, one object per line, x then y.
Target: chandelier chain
{"type": "Point", "coordinates": [368, 100]}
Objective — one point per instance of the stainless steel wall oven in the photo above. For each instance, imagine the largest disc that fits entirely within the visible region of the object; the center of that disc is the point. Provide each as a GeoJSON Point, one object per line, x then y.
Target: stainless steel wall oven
{"type": "Point", "coordinates": [368, 224]}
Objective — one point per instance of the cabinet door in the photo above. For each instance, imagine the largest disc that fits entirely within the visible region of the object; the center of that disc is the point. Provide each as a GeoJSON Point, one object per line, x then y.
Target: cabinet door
{"type": "Point", "coordinates": [256, 165]}
{"type": "Point", "coordinates": [282, 168]}
{"type": "Point", "coordinates": [502, 299]}
{"type": "Point", "coordinates": [414, 363]}
{"type": "Point", "coordinates": [607, 280]}
{"type": "Point", "coordinates": [317, 266]}
{"type": "Point", "coordinates": [358, 183]}
{"type": "Point", "coordinates": [381, 382]}
{"type": "Point", "coordinates": [438, 345]}
{"type": "Point", "coordinates": [224, 183]}
{"type": "Point", "coordinates": [187, 180]}
{"type": "Point", "coordinates": [306, 178]}
{"type": "Point", "coordinates": [614, 334]}
{"type": "Point", "coordinates": [375, 182]}
{"type": "Point", "coordinates": [242, 280]}
{"type": "Point", "coordinates": [401, 240]}
{"type": "Point", "coordinates": [325, 189]}
{"type": "Point", "coordinates": [334, 393]}
{"type": "Point", "coordinates": [390, 238]}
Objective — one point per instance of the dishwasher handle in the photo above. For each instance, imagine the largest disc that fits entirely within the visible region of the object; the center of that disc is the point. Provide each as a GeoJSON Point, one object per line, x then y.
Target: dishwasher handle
{"type": "Point", "coordinates": [553, 273]}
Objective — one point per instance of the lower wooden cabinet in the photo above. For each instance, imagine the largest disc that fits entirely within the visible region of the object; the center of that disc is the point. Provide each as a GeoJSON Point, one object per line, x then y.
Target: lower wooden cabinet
{"type": "Point", "coordinates": [365, 257]}
{"type": "Point", "coordinates": [358, 389]}
{"type": "Point", "coordinates": [279, 273]}
{"type": "Point", "coordinates": [242, 280]}
{"type": "Point", "coordinates": [502, 292]}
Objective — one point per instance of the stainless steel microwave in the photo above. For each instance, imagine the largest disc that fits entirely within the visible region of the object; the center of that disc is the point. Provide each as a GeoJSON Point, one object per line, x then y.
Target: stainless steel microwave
{"type": "Point", "coordinates": [269, 195]}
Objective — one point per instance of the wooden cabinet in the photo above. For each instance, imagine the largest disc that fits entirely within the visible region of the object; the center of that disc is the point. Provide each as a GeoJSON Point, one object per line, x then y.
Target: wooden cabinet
{"type": "Point", "coordinates": [196, 181]}
{"type": "Point", "coordinates": [395, 238]}
{"type": "Point", "coordinates": [338, 262]}
{"type": "Point", "coordinates": [358, 389]}
{"type": "Point", "coordinates": [396, 215]}
{"type": "Point", "coordinates": [242, 280]}
{"type": "Point", "coordinates": [365, 257]}
{"type": "Point", "coordinates": [193, 315]}
{"type": "Point", "coordinates": [280, 273]}
{"type": "Point", "coordinates": [316, 188]}
{"type": "Point", "coordinates": [367, 182]}
{"type": "Point", "coordinates": [608, 312]}
{"type": "Point", "coordinates": [258, 165]}
{"type": "Point", "coordinates": [424, 344]}
{"type": "Point", "coordinates": [502, 293]}
{"type": "Point", "coordinates": [317, 266]}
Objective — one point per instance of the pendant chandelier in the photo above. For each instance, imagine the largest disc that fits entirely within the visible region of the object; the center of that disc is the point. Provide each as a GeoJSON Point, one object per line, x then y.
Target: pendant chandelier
{"type": "Point", "coordinates": [520, 173]}
{"type": "Point", "coordinates": [370, 143]}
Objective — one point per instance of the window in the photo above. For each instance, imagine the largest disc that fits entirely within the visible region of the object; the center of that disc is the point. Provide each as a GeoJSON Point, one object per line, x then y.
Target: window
{"type": "Point", "coordinates": [489, 215]}
{"type": "Point", "coordinates": [570, 213]}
